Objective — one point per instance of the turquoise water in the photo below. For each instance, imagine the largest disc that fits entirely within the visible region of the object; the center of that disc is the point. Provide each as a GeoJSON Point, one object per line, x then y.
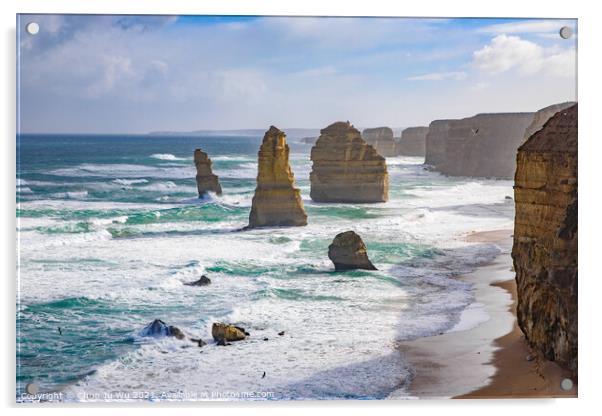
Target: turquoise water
{"type": "Point", "coordinates": [110, 227]}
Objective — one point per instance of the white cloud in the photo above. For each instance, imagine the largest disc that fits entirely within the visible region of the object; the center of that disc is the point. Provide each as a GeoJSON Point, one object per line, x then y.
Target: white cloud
{"type": "Point", "coordinates": [439, 76]}
{"type": "Point", "coordinates": [530, 26]}
{"type": "Point", "coordinates": [505, 53]}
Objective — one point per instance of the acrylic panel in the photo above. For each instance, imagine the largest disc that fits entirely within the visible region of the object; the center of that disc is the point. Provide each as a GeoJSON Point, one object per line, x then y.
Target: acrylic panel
{"type": "Point", "coordinates": [295, 208]}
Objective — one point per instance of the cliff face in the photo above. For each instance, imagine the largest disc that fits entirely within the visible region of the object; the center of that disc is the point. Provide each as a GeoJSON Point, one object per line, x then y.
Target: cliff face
{"type": "Point", "coordinates": [545, 238]}
{"type": "Point", "coordinates": [412, 142]}
{"type": "Point", "coordinates": [543, 115]}
{"type": "Point", "coordinates": [206, 181]}
{"type": "Point", "coordinates": [484, 145]}
{"type": "Point", "coordinates": [276, 201]}
{"type": "Point", "coordinates": [435, 142]}
{"type": "Point", "coordinates": [381, 138]}
{"type": "Point", "coordinates": [346, 168]}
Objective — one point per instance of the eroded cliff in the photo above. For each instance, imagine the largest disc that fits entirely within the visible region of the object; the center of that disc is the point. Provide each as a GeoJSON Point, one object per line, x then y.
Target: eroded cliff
{"type": "Point", "coordinates": [381, 138]}
{"type": "Point", "coordinates": [276, 201]}
{"type": "Point", "coordinates": [545, 238]}
{"type": "Point", "coordinates": [484, 145]}
{"type": "Point", "coordinates": [346, 168]}
{"type": "Point", "coordinates": [412, 142]}
{"type": "Point", "coordinates": [435, 142]}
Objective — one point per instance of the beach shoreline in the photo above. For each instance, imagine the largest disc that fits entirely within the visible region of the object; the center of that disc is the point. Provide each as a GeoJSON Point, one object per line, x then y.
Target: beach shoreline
{"type": "Point", "coordinates": [491, 359]}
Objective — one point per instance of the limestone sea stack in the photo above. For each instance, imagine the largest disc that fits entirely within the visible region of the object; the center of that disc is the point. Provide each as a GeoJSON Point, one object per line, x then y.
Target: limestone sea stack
{"type": "Point", "coordinates": [435, 142]}
{"type": "Point", "coordinates": [381, 138]}
{"type": "Point", "coordinates": [412, 142]}
{"type": "Point", "coordinates": [276, 201]}
{"type": "Point", "coordinates": [484, 145]}
{"type": "Point", "coordinates": [346, 168]}
{"type": "Point", "coordinates": [206, 181]}
{"type": "Point", "coordinates": [348, 252]}
{"type": "Point", "coordinates": [543, 115]}
{"type": "Point", "coordinates": [545, 239]}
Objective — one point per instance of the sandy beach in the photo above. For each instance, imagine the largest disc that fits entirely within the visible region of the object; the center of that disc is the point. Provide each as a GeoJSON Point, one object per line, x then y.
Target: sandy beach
{"type": "Point", "coordinates": [492, 359]}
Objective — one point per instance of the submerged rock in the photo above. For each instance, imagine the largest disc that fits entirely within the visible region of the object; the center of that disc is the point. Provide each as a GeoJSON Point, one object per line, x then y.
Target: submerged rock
{"type": "Point", "coordinates": [348, 252]}
{"type": "Point", "coordinates": [545, 239]}
{"type": "Point", "coordinates": [381, 138]}
{"type": "Point", "coordinates": [203, 281]}
{"type": "Point", "coordinates": [222, 332]}
{"type": "Point", "coordinates": [346, 168]}
{"type": "Point", "coordinates": [276, 201]}
{"type": "Point", "coordinates": [206, 181]}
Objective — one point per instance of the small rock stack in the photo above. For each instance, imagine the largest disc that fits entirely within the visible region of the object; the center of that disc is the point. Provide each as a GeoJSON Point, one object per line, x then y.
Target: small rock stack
{"type": "Point", "coordinates": [206, 181]}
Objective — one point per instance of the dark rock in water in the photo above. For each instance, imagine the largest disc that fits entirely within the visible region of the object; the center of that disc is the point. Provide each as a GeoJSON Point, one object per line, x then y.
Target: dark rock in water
{"type": "Point", "coordinates": [223, 343]}
{"type": "Point", "coordinates": [508, 197]}
{"type": "Point", "coordinates": [348, 252]}
{"type": "Point", "coordinates": [281, 333]}
{"type": "Point", "coordinates": [266, 339]}
{"type": "Point", "coordinates": [199, 342]}
{"type": "Point", "coordinates": [226, 332]}
{"type": "Point", "coordinates": [176, 332]}
{"type": "Point", "coordinates": [158, 328]}
{"type": "Point", "coordinates": [203, 281]}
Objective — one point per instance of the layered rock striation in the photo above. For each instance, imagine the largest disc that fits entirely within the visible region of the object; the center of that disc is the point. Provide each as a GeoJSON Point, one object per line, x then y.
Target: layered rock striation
{"type": "Point", "coordinates": [412, 142]}
{"type": "Point", "coordinates": [545, 238]}
{"type": "Point", "coordinates": [484, 145]}
{"type": "Point", "coordinates": [348, 252]}
{"type": "Point", "coordinates": [276, 201]}
{"type": "Point", "coordinates": [346, 168]}
{"type": "Point", "coordinates": [435, 142]}
{"type": "Point", "coordinates": [543, 115]}
{"type": "Point", "coordinates": [206, 181]}
{"type": "Point", "coordinates": [381, 138]}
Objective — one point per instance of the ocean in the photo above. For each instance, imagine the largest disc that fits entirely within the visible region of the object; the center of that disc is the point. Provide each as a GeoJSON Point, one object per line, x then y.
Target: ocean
{"type": "Point", "coordinates": [110, 228]}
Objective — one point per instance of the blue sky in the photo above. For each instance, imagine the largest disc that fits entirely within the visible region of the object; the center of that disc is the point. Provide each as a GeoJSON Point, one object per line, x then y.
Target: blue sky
{"type": "Point", "coordinates": [135, 74]}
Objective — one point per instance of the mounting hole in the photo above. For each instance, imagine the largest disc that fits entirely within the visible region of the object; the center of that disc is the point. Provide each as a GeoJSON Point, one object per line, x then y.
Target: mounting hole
{"type": "Point", "coordinates": [566, 384]}
{"type": "Point", "coordinates": [32, 28]}
{"type": "Point", "coordinates": [566, 32]}
{"type": "Point", "coordinates": [31, 388]}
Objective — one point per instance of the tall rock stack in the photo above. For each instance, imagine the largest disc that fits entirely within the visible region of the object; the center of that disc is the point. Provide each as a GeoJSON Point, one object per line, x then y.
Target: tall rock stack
{"type": "Point", "coordinates": [206, 181]}
{"type": "Point", "coordinates": [381, 138]}
{"type": "Point", "coordinates": [545, 238]}
{"type": "Point", "coordinates": [346, 168]}
{"type": "Point", "coordinates": [435, 142]}
{"type": "Point", "coordinates": [544, 115]}
{"type": "Point", "coordinates": [412, 142]}
{"type": "Point", "coordinates": [276, 201]}
{"type": "Point", "coordinates": [484, 145]}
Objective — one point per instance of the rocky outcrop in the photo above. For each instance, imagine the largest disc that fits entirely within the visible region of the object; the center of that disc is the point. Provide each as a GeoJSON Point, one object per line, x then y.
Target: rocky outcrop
{"type": "Point", "coordinates": [158, 328]}
{"type": "Point", "coordinates": [484, 145]}
{"type": "Point", "coordinates": [381, 138]}
{"type": "Point", "coordinates": [203, 281]}
{"type": "Point", "coordinates": [276, 201]}
{"type": "Point", "coordinates": [226, 332]}
{"type": "Point", "coordinates": [435, 142]}
{"type": "Point", "coordinates": [348, 252]}
{"type": "Point", "coordinates": [346, 168]}
{"type": "Point", "coordinates": [412, 142]}
{"type": "Point", "coordinates": [206, 181]}
{"type": "Point", "coordinates": [545, 238]}
{"type": "Point", "coordinates": [543, 115]}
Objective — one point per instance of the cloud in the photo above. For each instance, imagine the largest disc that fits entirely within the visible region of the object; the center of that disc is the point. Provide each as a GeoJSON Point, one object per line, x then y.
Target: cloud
{"type": "Point", "coordinates": [439, 76]}
{"type": "Point", "coordinates": [506, 53]}
{"type": "Point", "coordinates": [529, 26]}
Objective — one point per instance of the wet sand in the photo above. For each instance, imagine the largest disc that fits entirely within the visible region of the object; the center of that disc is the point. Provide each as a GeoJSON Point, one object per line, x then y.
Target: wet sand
{"type": "Point", "coordinates": [492, 359]}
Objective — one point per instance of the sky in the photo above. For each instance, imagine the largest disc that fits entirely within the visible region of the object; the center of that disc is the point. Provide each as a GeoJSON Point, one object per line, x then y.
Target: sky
{"type": "Point", "coordinates": [137, 74]}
